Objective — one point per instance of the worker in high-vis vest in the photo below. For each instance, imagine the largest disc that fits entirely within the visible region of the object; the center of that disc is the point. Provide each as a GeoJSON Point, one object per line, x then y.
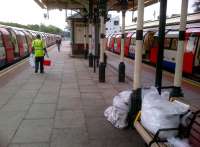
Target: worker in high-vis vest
{"type": "Point", "coordinates": [39, 50]}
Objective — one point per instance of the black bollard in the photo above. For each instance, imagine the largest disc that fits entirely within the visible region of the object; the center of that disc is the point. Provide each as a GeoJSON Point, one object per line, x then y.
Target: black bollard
{"type": "Point", "coordinates": [90, 60]}
{"type": "Point", "coordinates": [102, 67]}
{"type": "Point", "coordinates": [121, 72]}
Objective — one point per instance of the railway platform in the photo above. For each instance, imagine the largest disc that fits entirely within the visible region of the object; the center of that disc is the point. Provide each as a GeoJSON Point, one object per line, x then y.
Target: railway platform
{"type": "Point", "coordinates": [61, 108]}
{"type": "Point", "coordinates": [64, 106]}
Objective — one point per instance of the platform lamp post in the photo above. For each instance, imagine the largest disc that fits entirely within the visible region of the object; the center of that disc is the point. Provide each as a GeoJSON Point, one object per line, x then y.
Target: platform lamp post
{"type": "Point", "coordinates": [102, 65]}
{"type": "Point", "coordinates": [161, 38]}
{"type": "Point", "coordinates": [177, 92]}
{"type": "Point", "coordinates": [121, 76]}
{"type": "Point", "coordinates": [135, 97]}
{"type": "Point", "coordinates": [90, 56]}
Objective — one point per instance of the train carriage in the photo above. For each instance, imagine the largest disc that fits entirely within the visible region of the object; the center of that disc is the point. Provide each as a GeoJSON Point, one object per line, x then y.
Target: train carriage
{"type": "Point", "coordinates": [191, 58]}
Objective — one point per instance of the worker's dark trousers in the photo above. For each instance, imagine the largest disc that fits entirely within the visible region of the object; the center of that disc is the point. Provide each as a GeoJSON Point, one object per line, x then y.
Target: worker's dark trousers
{"type": "Point", "coordinates": [39, 60]}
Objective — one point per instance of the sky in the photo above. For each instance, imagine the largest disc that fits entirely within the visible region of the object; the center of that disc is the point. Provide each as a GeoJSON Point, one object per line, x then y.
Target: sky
{"type": "Point", "coordinates": [28, 12]}
{"type": "Point", "coordinates": [173, 7]}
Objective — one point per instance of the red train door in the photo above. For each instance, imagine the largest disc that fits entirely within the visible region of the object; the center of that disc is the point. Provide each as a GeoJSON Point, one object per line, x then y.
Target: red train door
{"type": "Point", "coordinates": [112, 41]}
{"type": "Point", "coordinates": [2, 52]}
{"type": "Point", "coordinates": [8, 45]}
{"type": "Point", "coordinates": [191, 44]}
{"type": "Point", "coordinates": [29, 41]}
{"type": "Point", "coordinates": [117, 48]}
{"type": "Point", "coordinates": [14, 41]}
{"type": "Point", "coordinates": [20, 43]}
{"type": "Point", "coordinates": [127, 44]}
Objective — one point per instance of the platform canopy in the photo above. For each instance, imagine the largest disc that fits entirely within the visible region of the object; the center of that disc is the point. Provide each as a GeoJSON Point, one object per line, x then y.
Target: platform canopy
{"type": "Point", "coordinates": [84, 4]}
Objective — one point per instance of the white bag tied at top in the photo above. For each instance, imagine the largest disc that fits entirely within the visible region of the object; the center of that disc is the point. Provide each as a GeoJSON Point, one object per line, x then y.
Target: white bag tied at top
{"type": "Point", "coordinates": [32, 60]}
{"type": "Point", "coordinates": [159, 113]}
{"type": "Point", "coordinates": [118, 112]}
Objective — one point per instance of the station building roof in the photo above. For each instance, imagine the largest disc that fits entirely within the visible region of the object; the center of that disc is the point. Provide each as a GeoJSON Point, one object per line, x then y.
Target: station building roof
{"type": "Point", "coordinates": [84, 4]}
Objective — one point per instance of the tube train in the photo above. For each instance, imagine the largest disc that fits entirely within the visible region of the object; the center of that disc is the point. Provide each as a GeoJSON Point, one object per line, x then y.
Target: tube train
{"type": "Point", "coordinates": [16, 43]}
{"type": "Point", "coordinates": [191, 59]}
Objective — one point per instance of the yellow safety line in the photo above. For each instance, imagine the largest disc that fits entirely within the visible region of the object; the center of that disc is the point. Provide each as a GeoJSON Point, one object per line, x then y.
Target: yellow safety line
{"type": "Point", "coordinates": [12, 67]}
{"type": "Point", "coordinates": [191, 82]}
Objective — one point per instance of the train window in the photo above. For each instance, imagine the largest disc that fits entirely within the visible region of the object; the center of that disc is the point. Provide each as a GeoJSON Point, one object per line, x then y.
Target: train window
{"type": "Point", "coordinates": [167, 43]}
{"type": "Point", "coordinates": [25, 44]}
{"type": "Point", "coordinates": [133, 41]}
{"type": "Point", "coordinates": [116, 22]}
{"type": "Point", "coordinates": [174, 44]}
{"type": "Point", "coordinates": [115, 43]}
{"type": "Point", "coordinates": [132, 45]}
{"type": "Point", "coordinates": [191, 43]}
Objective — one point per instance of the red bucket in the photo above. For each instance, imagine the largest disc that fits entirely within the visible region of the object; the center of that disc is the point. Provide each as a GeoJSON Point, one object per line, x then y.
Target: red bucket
{"type": "Point", "coordinates": [47, 62]}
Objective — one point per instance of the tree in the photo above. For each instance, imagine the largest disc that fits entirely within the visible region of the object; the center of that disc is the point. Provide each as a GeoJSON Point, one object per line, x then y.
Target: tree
{"type": "Point", "coordinates": [36, 27]}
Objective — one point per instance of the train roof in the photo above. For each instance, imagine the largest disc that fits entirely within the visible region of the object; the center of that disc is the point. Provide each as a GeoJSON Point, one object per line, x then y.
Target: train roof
{"type": "Point", "coordinates": [192, 20]}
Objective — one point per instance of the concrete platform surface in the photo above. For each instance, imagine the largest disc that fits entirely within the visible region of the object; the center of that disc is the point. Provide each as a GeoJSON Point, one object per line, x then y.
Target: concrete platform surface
{"type": "Point", "coordinates": [61, 108]}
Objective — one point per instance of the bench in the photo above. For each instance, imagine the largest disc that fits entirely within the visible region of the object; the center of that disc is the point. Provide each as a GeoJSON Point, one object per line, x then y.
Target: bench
{"type": "Point", "coordinates": [192, 131]}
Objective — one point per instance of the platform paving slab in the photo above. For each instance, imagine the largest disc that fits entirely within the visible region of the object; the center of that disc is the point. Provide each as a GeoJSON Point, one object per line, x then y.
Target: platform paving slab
{"type": "Point", "coordinates": [69, 119]}
{"type": "Point", "coordinates": [31, 131]}
{"type": "Point", "coordinates": [66, 103]}
{"type": "Point", "coordinates": [41, 111]}
{"type": "Point", "coordinates": [46, 98]}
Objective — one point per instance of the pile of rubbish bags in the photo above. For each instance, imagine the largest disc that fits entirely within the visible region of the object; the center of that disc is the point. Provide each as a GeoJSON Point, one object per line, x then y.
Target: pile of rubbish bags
{"type": "Point", "coordinates": [118, 112]}
{"type": "Point", "coordinates": [157, 113]}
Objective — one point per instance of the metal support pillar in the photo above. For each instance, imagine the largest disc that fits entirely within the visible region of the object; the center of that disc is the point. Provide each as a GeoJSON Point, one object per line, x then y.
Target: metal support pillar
{"type": "Point", "coordinates": [96, 37]}
{"type": "Point", "coordinates": [136, 99]}
{"type": "Point", "coordinates": [102, 65]}
{"type": "Point", "coordinates": [161, 37]}
{"type": "Point", "coordinates": [73, 37]}
{"type": "Point", "coordinates": [85, 42]}
{"type": "Point", "coordinates": [177, 92]}
{"type": "Point", "coordinates": [90, 56]}
{"type": "Point", "coordinates": [121, 77]}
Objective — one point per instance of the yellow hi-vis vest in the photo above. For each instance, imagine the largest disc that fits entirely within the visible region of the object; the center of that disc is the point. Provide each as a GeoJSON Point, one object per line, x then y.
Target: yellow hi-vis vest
{"type": "Point", "coordinates": [38, 46]}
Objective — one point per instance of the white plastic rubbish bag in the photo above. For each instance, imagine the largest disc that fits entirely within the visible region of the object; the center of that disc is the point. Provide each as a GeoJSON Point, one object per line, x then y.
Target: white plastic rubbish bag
{"type": "Point", "coordinates": [158, 113]}
{"type": "Point", "coordinates": [118, 112]}
{"type": "Point", "coordinates": [32, 60]}
{"type": "Point", "coordinates": [176, 142]}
